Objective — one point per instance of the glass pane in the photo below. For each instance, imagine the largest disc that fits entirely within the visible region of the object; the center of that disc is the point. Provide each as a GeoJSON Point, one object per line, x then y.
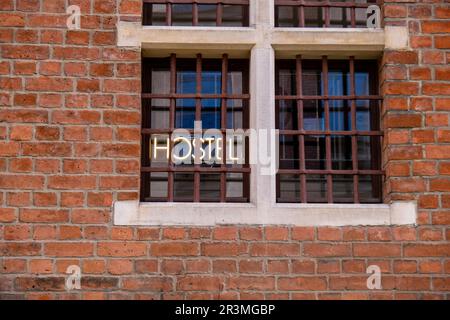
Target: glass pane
{"type": "Point", "coordinates": [313, 115]}
{"type": "Point", "coordinates": [370, 189]}
{"type": "Point", "coordinates": [183, 187]}
{"type": "Point", "coordinates": [160, 81]}
{"type": "Point", "coordinates": [234, 16]}
{"type": "Point", "coordinates": [186, 81]}
{"type": "Point", "coordinates": [160, 115]}
{"type": "Point", "coordinates": [286, 16]}
{"type": "Point", "coordinates": [234, 82]}
{"type": "Point", "coordinates": [185, 113]}
{"type": "Point", "coordinates": [235, 110]}
{"type": "Point", "coordinates": [209, 187]}
{"type": "Point", "coordinates": [159, 14]}
{"type": "Point", "coordinates": [340, 115]}
{"type": "Point", "coordinates": [343, 189]}
{"type": "Point", "coordinates": [315, 154]}
{"type": "Point", "coordinates": [235, 185]}
{"type": "Point", "coordinates": [211, 82]}
{"type": "Point", "coordinates": [182, 14]}
{"type": "Point", "coordinates": [211, 114]}
{"type": "Point", "coordinates": [289, 188]}
{"type": "Point", "coordinates": [207, 14]}
{"type": "Point", "coordinates": [341, 152]}
{"type": "Point", "coordinates": [289, 151]}
{"type": "Point", "coordinates": [157, 150]}
{"type": "Point", "coordinates": [311, 79]}
{"type": "Point", "coordinates": [288, 119]}
{"type": "Point", "coordinates": [369, 148]}
{"type": "Point", "coordinates": [158, 185]}
{"type": "Point", "coordinates": [340, 17]}
{"type": "Point", "coordinates": [286, 82]}
{"type": "Point", "coordinates": [313, 17]}
{"type": "Point", "coordinates": [316, 188]}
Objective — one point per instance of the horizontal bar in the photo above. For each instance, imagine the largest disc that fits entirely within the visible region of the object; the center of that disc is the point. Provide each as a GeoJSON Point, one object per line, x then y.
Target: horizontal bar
{"type": "Point", "coordinates": [332, 172]}
{"type": "Point", "coordinates": [240, 2]}
{"type": "Point", "coordinates": [323, 4]}
{"type": "Point", "coordinates": [196, 169]}
{"type": "Point", "coordinates": [330, 133]}
{"type": "Point", "coordinates": [195, 96]}
{"type": "Point", "coordinates": [292, 97]}
{"type": "Point", "coordinates": [229, 200]}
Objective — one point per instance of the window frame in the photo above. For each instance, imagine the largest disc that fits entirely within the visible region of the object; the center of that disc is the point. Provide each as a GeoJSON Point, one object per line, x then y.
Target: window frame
{"type": "Point", "coordinates": [195, 10]}
{"type": "Point", "coordinates": [173, 96]}
{"type": "Point", "coordinates": [326, 6]}
{"type": "Point", "coordinates": [298, 100]}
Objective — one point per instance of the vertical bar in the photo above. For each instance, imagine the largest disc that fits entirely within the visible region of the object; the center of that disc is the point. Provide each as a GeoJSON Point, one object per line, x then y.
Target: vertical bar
{"type": "Point", "coordinates": [195, 14]}
{"type": "Point", "coordinates": [198, 117]}
{"type": "Point", "coordinates": [354, 137]}
{"type": "Point", "coordinates": [353, 14]}
{"type": "Point", "coordinates": [169, 14]}
{"type": "Point", "coordinates": [327, 14]}
{"type": "Point", "coordinates": [173, 89]}
{"type": "Point", "coordinates": [223, 124]}
{"type": "Point", "coordinates": [298, 74]}
{"type": "Point", "coordinates": [219, 14]}
{"type": "Point", "coordinates": [327, 128]}
{"type": "Point", "coordinates": [301, 15]}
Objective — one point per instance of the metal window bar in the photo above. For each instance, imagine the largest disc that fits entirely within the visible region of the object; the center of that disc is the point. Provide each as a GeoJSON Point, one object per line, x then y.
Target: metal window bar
{"type": "Point", "coordinates": [326, 6]}
{"type": "Point", "coordinates": [328, 133]}
{"type": "Point", "coordinates": [196, 169]}
{"type": "Point", "coordinates": [147, 16]}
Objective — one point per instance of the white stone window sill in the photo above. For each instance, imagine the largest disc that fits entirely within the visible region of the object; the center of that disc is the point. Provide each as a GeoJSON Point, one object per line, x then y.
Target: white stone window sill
{"type": "Point", "coordinates": [134, 213]}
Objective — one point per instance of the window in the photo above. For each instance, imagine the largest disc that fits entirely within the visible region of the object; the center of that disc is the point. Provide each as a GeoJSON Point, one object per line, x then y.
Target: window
{"type": "Point", "coordinates": [227, 13]}
{"type": "Point", "coordinates": [176, 93]}
{"type": "Point", "coordinates": [313, 13]}
{"type": "Point", "coordinates": [328, 114]}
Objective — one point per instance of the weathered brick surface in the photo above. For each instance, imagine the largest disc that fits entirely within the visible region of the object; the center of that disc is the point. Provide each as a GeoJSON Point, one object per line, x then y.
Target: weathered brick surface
{"type": "Point", "coordinates": [69, 147]}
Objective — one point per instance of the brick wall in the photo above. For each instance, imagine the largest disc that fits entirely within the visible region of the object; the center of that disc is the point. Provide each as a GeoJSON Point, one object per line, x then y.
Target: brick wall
{"type": "Point", "coordinates": [70, 144]}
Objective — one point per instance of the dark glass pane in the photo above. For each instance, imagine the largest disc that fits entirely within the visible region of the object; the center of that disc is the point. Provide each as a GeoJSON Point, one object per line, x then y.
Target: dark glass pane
{"type": "Point", "coordinates": [337, 82]}
{"type": "Point", "coordinates": [312, 78]}
{"type": "Point", "coordinates": [343, 189]}
{"type": "Point", "coordinates": [313, 115]}
{"type": "Point", "coordinates": [289, 188]}
{"type": "Point", "coordinates": [367, 115]}
{"type": "Point", "coordinates": [289, 152]}
{"type": "Point", "coordinates": [185, 113]}
{"type": "Point", "coordinates": [287, 114]}
{"type": "Point", "coordinates": [316, 187]}
{"type": "Point", "coordinates": [186, 80]}
{"type": "Point", "coordinates": [286, 82]}
{"type": "Point", "coordinates": [211, 82]}
{"type": "Point", "coordinates": [362, 84]}
{"type": "Point", "coordinates": [183, 187]}
{"type": "Point", "coordinates": [158, 185]}
{"type": "Point", "coordinates": [211, 113]}
{"type": "Point", "coordinates": [340, 17]}
{"type": "Point", "coordinates": [313, 17]}
{"type": "Point", "coordinates": [160, 80]}
{"type": "Point", "coordinates": [182, 14]}
{"type": "Point", "coordinates": [286, 16]}
{"type": "Point", "coordinates": [361, 17]}
{"type": "Point", "coordinates": [315, 153]}
{"type": "Point", "coordinates": [159, 13]}
{"type": "Point", "coordinates": [340, 115]}
{"type": "Point", "coordinates": [207, 14]}
{"type": "Point", "coordinates": [369, 148]}
{"type": "Point", "coordinates": [210, 187]}
{"type": "Point", "coordinates": [341, 152]}
{"type": "Point", "coordinates": [370, 189]}
{"type": "Point", "coordinates": [234, 16]}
